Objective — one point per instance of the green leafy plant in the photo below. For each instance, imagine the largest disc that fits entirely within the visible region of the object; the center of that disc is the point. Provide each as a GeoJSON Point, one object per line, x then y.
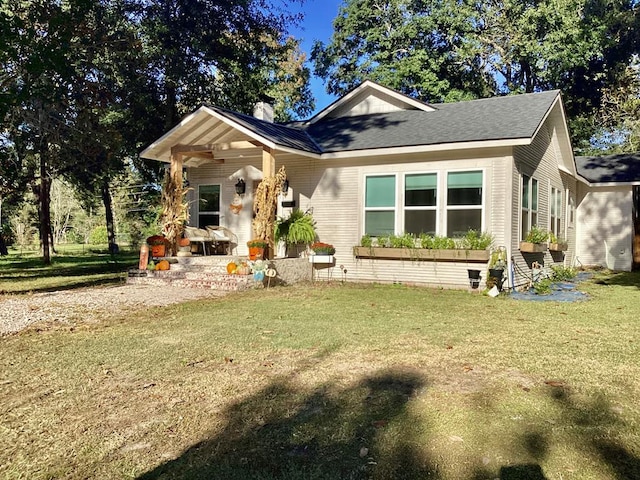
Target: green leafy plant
{"type": "Point", "coordinates": [299, 227]}
{"type": "Point", "coordinates": [498, 259]}
{"type": "Point", "coordinates": [537, 235]}
{"type": "Point", "coordinates": [406, 240]}
{"type": "Point", "coordinates": [561, 273]}
{"type": "Point", "coordinates": [366, 240]}
{"type": "Point", "coordinates": [475, 240]}
{"type": "Point", "coordinates": [383, 241]}
{"type": "Point", "coordinates": [543, 286]}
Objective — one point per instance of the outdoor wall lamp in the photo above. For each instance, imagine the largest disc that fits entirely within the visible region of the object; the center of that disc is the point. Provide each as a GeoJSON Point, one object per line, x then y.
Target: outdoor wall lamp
{"type": "Point", "coordinates": [285, 186]}
{"type": "Point", "coordinates": [241, 187]}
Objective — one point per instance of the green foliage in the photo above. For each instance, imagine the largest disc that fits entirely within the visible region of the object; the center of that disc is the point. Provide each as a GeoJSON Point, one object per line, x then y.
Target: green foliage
{"type": "Point", "coordinates": [437, 242]}
{"type": "Point", "coordinates": [474, 240]}
{"type": "Point", "coordinates": [299, 227]}
{"type": "Point", "coordinates": [406, 240]}
{"type": "Point", "coordinates": [537, 235]}
{"type": "Point", "coordinates": [561, 273]}
{"type": "Point", "coordinates": [366, 241]}
{"type": "Point", "coordinates": [98, 235]}
{"type": "Point", "coordinates": [444, 51]}
{"type": "Point", "coordinates": [498, 258]}
{"type": "Point", "coordinates": [543, 286]}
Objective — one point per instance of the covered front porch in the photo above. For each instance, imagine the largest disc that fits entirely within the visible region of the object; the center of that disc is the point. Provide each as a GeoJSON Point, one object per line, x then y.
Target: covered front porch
{"type": "Point", "coordinates": [222, 157]}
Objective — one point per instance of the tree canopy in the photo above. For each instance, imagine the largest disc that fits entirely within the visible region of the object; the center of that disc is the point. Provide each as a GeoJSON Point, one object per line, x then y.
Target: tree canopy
{"type": "Point", "coordinates": [445, 50]}
{"type": "Point", "coordinates": [85, 84]}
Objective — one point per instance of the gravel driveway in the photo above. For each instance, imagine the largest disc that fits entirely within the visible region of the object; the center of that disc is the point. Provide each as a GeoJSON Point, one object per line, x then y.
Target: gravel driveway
{"type": "Point", "coordinates": [68, 306]}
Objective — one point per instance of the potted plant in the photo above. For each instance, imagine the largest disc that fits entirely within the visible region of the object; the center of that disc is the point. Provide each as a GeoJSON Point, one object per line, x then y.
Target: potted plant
{"type": "Point", "coordinates": [321, 252]}
{"type": "Point", "coordinates": [557, 244]}
{"type": "Point", "coordinates": [535, 241]}
{"type": "Point", "coordinates": [497, 266]}
{"type": "Point", "coordinates": [157, 245]}
{"type": "Point", "coordinates": [296, 231]}
{"type": "Point", "coordinates": [256, 248]}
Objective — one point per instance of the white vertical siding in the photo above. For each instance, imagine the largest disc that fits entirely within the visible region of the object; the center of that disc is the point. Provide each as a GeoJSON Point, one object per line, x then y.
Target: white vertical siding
{"type": "Point", "coordinates": [604, 214]}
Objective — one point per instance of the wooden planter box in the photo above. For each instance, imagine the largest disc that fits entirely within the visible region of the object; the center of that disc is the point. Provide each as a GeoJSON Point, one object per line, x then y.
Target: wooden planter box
{"type": "Point", "coordinates": [528, 247]}
{"type": "Point", "coordinates": [423, 254]}
{"type": "Point", "coordinates": [558, 247]}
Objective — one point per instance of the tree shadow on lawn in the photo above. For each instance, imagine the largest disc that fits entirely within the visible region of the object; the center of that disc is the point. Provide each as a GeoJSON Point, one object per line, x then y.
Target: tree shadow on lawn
{"type": "Point", "coordinates": [367, 431]}
{"type": "Point", "coordinates": [624, 279]}
{"type": "Point", "coordinates": [355, 433]}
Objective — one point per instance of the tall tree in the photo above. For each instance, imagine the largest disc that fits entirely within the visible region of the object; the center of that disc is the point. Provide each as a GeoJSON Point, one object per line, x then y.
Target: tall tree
{"type": "Point", "coordinates": [484, 48]}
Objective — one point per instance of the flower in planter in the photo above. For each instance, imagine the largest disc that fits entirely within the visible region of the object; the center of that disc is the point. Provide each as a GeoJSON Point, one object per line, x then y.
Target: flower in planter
{"type": "Point", "coordinates": [320, 248]}
{"type": "Point", "coordinates": [156, 240]}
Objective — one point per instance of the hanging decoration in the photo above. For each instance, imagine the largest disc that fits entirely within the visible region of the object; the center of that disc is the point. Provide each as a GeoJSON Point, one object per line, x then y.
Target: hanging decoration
{"type": "Point", "coordinates": [236, 204]}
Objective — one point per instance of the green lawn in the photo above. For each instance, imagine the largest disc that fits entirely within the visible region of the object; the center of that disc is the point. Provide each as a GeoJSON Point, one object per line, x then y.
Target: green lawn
{"type": "Point", "coordinates": [74, 266]}
{"type": "Point", "coordinates": [332, 382]}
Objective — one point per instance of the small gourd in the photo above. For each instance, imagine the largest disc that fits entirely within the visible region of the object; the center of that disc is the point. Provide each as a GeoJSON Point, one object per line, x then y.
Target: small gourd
{"type": "Point", "coordinates": [231, 268]}
{"type": "Point", "coordinates": [162, 265]}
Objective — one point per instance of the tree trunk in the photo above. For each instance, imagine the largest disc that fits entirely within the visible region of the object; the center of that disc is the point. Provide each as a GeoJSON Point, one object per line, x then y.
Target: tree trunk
{"type": "Point", "coordinates": [42, 192]}
{"type": "Point", "coordinates": [108, 212]}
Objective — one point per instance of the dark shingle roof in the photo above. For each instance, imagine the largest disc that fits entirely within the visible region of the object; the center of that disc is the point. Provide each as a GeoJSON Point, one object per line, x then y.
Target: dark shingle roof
{"type": "Point", "coordinates": [622, 167]}
{"type": "Point", "coordinates": [497, 118]}
{"type": "Point", "coordinates": [279, 134]}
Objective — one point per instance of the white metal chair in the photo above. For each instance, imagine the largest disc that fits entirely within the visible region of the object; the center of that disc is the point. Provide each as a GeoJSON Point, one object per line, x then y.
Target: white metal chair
{"type": "Point", "coordinates": [223, 236]}
{"type": "Point", "coordinates": [198, 235]}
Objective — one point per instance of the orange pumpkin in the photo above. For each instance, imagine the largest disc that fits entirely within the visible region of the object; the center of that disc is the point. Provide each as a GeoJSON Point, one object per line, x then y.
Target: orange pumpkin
{"type": "Point", "coordinates": [184, 242]}
{"type": "Point", "coordinates": [231, 267]}
{"type": "Point", "coordinates": [162, 265]}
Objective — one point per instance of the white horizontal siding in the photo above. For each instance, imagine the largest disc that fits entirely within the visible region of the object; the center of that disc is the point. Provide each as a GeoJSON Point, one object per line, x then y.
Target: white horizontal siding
{"type": "Point", "coordinates": [604, 214]}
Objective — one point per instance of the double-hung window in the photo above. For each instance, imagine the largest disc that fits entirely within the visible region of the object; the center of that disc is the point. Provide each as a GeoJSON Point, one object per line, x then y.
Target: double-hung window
{"type": "Point", "coordinates": [208, 205]}
{"type": "Point", "coordinates": [529, 205]}
{"type": "Point", "coordinates": [464, 202]}
{"type": "Point", "coordinates": [556, 211]}
{"type": "Point", "coordinates": [380, 205]}
{"type": "Point", "coordinates": [420, 203]}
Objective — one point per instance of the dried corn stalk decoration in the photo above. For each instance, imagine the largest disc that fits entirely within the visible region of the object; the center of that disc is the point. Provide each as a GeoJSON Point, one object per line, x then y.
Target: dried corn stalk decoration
{"type": "Point", "coordinates": [175, 212]}
{"type": "Point", "coordinates": [265, 204]}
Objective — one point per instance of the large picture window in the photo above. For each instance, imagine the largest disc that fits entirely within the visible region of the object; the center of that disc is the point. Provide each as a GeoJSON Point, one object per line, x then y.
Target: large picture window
{"type": "Point", "coordinates": [208, 205]}
{"type": "Point", "coordinates": [556, 211]}
{"type": "Point", "coordinates": [464, 202]}
{"type": "Point", "coordinates": [529, 205]}
{"type": "Point", "coordinates": [420, 203]}
{"type": "Point", "coordinates": [380, 205]}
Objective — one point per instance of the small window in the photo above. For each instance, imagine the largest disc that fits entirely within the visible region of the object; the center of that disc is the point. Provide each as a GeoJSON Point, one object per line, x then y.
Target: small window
{"type": "Point", "coordinates": [420, 201]}
{"type": "Point", "coordinates": [571, 209]}
{"type": "Point", "coordinates": [208, 205]}
{"type": "Point", "coordinates": [556, 211]}
{"type": "Point", "coordinates": [464, 202]}
{"type": "Point", "coordinates": [380, 205]}
{"type": "Point", "coordinates": [529, 205]}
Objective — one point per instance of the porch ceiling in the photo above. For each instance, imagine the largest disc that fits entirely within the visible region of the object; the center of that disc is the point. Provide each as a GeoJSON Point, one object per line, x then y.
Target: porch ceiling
{"type": "Point", "coordinates": [203, 129]}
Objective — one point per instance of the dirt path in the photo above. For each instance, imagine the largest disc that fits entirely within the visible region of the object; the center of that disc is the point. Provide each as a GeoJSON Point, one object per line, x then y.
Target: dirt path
{"type": "Point", "coordinates": [19, 311]}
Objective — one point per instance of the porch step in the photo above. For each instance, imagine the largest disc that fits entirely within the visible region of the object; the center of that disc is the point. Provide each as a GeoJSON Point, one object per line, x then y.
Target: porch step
{"type": "Point", "coordinates": [194, 279]}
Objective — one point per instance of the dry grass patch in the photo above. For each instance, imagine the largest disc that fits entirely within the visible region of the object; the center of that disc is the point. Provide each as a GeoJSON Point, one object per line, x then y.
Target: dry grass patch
{"type": "Point", "coordinates": [340, 381]}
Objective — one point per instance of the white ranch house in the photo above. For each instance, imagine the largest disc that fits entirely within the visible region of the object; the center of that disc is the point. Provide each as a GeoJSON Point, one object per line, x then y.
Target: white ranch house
{"type": "Point", "coordinates": [378, 162]}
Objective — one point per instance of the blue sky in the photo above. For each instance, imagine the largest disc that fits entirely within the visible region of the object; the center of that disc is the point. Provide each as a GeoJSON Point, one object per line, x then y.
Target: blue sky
{"type": "Point", "coordinates": [317, 25]}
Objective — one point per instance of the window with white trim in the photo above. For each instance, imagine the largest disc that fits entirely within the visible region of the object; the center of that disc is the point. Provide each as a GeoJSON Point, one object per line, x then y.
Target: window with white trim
{"type": "Point", "coordinates": [556, 212]}
{"type": "Point", "coordinates": [529, 202]}
{"type": "Point", "coordinates": [380, 205]}
{"type": "Point", "coordinates": [571, 209]}
{"type": "Point", "coordinates": [420, 203]}
{"type": "Point", "coordinates": [464, 202]}
{"type": "Point", "coordinates": [208, 205]}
